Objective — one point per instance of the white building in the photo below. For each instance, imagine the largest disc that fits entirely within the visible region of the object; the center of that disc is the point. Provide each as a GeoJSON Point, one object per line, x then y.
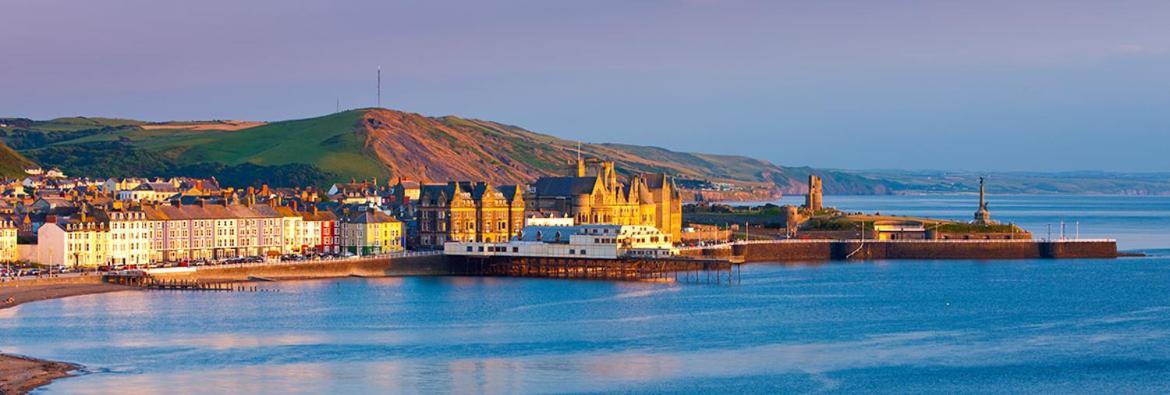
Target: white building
{"type": "Point", "coordinates": [131, 238]}
{"type": "Point", "coordinates": [583, 241]}
{"type": "Point", "coordinates": [79, 242]}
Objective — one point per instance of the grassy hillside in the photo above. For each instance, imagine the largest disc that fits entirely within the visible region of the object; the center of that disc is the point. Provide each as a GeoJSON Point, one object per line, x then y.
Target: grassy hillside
{"type": "Point", "coordinates": [333, 143]}
{"type": "Point", "coordinates": [368, 143]}
{"type": "Point", "coordinates": [12, 163]}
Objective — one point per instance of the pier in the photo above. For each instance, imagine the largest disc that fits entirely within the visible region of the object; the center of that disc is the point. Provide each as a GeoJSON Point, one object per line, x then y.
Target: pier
{"type": "Point", "coordinates": [149, 282]}
{"type": "Point", "coordinates": [678, 269]}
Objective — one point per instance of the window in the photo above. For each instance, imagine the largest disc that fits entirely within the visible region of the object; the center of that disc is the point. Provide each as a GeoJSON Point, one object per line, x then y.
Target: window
{"type": "Point", "coordinates": [572, 251]}
{"type": "Point", "coordinates": [515, 249]}
{"type": "Point", "coordinates": [582, 252]}
{"type": "Point", "coordinates": [468, 248]}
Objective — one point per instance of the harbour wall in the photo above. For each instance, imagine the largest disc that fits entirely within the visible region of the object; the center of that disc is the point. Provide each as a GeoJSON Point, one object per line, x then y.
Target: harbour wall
{"type": "Point", "coordinates": [840, 250]}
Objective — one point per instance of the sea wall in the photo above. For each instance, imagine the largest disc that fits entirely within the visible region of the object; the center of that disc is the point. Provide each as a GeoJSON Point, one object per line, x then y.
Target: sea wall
{"type": "Point", "coordinates": [46, 280]}
{"type": "Point", "coordinates": [814, 250]}
{"type": "Point", "coordinates": [429, 265]}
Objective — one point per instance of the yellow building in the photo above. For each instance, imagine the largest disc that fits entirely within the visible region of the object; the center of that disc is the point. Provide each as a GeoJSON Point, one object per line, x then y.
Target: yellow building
{"type": "Point", "coordinates": [371, 232]}
{"type": "Point", "coordinates": [597, 196]}
{"type": "Point", "coordinates": [7, 241]}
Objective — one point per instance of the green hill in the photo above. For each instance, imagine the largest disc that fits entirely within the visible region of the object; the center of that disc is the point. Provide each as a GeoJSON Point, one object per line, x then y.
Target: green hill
{"type": "Point", "coordinates": [12, 163]}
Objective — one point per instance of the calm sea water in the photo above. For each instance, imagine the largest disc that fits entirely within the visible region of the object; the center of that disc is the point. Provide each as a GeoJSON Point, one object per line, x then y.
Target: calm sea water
{"type": "Point", "coordinates": [1072, 326]}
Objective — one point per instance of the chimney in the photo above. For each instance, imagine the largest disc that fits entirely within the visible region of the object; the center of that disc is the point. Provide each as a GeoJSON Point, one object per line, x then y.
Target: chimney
{"type": "Point", "coordinates": [202, 203]}
{"type": "Point", "coordinates": [314, 210]}
{"type": "Point", "coordinates": [293, 204]}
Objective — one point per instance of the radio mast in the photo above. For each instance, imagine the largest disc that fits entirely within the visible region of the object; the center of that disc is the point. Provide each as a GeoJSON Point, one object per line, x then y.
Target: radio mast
{"type": "Point", "coordinates": [379, 86]}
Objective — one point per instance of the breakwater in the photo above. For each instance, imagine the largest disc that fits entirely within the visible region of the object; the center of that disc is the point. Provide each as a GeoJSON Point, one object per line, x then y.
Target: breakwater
{"type": "Point", "coordinates": [842, 250]}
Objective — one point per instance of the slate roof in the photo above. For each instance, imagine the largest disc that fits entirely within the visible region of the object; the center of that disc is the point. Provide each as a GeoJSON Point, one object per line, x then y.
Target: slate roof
{"type": "Point", "coordinates": [564, 186]}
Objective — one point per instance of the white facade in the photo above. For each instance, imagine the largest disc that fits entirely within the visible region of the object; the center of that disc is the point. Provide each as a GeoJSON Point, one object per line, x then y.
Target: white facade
{"type": "Point", "coordinates": [73, 244]}
{"type": "Point", "coordinates": [8, 252]}
{"type": "Point", "coordinates": [131, 238]}
{"type": "Point", "coordinates": [585, 241]}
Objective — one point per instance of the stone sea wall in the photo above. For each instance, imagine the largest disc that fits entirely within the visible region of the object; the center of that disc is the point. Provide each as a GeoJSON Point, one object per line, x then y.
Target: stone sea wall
{"type": "Point", "coordinates": [871, 250]}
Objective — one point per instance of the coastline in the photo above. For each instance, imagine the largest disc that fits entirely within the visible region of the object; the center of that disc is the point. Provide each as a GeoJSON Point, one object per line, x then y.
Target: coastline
{"type": "Point", "coordinates": [21, 374]}
{"type": "Point", "coordinates": [25, 293]}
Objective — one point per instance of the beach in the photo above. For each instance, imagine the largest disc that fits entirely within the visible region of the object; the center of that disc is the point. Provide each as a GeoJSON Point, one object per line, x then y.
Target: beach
{"type": "Point", "coordinates": [22, 293]}
{"type": "Point", "coordinates": [20, 374]}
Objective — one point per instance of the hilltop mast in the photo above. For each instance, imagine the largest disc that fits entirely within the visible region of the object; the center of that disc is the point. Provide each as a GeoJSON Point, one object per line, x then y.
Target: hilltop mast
{"type": "Point", "coordinates": [379, 86]}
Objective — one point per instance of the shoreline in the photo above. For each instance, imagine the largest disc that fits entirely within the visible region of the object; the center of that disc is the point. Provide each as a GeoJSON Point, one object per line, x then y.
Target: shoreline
{"type": "Point", "coordinates": [20, 374]}
{"type": "Point", "coordinates": [27, 293]}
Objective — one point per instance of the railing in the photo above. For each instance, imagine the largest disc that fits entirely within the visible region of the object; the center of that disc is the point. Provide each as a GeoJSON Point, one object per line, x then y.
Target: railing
{"type": "Point", "coordinates": [403, 254]}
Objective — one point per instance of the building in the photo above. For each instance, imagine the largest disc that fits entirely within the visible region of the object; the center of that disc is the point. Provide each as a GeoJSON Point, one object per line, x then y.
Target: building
{"type": "Point", "coordinates": [322, 234]}
{"type": "Point", "coordinates": [149, 192]}
{"type": "Point", "coordinates": [814, 200]}
{"type": "Point", "coordinates": [8, 241]}
{"type": "Point", "coordinates": [465, 211]}
{"type": "Point", "coordinates": [595, 196]}
{"type": "Point", "coordinates": [130, 237]}
{"type": "Point", "coordinates": [899, 230]}
{"type": "Point", "coordinates": [76, 242]}
{"type": "Point", "coordinates": [214, 230]}
{"type": "Point", "coordinates": [580, 241]}
{"type": "Point", "coordinates": [371, 232]}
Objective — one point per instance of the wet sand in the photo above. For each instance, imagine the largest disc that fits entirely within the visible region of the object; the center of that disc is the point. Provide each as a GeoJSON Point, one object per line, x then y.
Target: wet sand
{"type": "Point", "coordinates": [19, 374]}
{"type": "Point", "coordinates": [21, 294]}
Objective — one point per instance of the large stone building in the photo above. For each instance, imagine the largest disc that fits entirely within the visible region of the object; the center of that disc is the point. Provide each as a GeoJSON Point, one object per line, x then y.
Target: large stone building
{"type": "Point", "coordinates": [464, 211]}
{"type": "Point", "coordinates": [595, 195]}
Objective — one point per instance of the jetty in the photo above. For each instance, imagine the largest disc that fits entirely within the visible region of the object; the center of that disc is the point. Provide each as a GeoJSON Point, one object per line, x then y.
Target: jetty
{"type": "Point", "coordinates": [147, 281]}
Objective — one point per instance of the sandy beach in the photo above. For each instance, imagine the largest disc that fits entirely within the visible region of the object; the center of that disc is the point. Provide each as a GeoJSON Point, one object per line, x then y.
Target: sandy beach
{"type": "Point", "coordinates": [19, 374]}
{"type": "Point", "coordinates": [21, 294]}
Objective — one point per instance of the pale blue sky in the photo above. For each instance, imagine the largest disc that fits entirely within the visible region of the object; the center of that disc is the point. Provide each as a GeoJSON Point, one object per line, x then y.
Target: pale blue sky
{"type": "Point", "coordinates": [975, 85]}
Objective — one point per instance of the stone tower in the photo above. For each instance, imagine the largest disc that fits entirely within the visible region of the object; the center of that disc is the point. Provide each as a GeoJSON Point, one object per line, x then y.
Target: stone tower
{"type": "Point", "coordinates": [813, 201]}
{"type": "Point", "coordinates": [982, 215]}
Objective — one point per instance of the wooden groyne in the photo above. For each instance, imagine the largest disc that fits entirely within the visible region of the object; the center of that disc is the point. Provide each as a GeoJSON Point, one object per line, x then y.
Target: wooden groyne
{"type": "Point", "coordinates": [148, 282]}
{"type": "Point", "coordinates": [851, 250]}
{"type": "Point", "coordinates": [682, 269]}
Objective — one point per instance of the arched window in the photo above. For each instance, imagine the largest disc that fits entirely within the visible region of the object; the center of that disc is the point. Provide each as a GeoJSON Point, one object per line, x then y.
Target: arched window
{"type": "Point", "coordinates": [558, 237]}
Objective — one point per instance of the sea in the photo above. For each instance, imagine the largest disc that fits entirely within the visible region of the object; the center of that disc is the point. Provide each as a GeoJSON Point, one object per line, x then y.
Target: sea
{"type": "Point", "coordinates": [960, 326]}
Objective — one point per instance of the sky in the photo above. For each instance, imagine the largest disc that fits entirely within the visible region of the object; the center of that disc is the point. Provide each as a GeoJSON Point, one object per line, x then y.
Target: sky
{"type": "Point", "coordinates": [984, 85]}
